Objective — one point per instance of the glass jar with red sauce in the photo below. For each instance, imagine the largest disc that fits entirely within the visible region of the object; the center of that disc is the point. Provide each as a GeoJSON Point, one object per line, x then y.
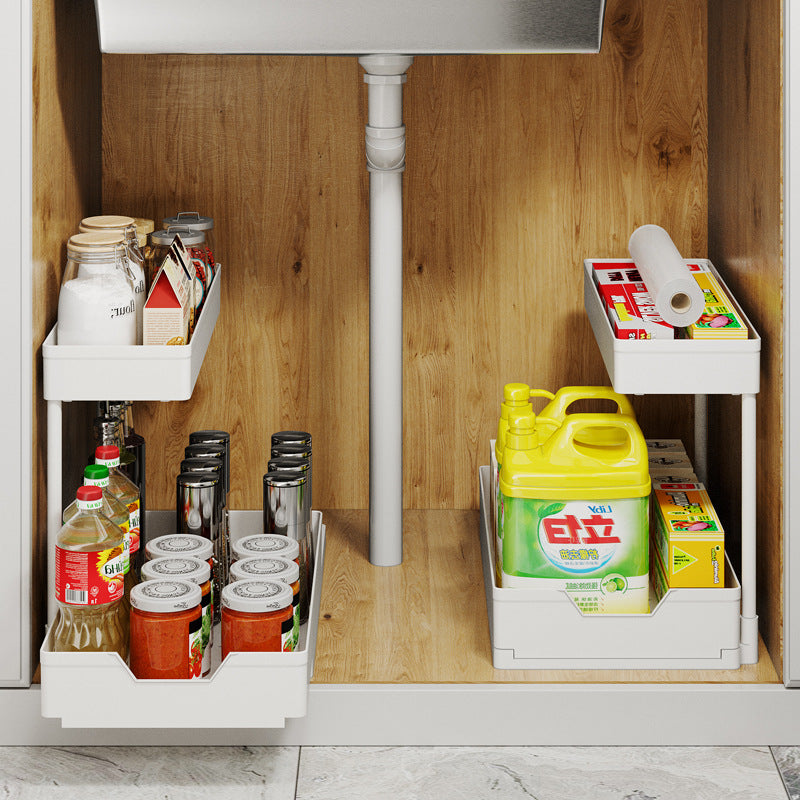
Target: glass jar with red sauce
{"type": "Point", "coordinates": [274, 569]}
{"type": "Point", "coordinates": [166, 630]}
{"type": "Point", "coordinates": [256, 617]}
{"type": "Point", "coordinates": [265, 544]}
{"type": "Point", "coordinates": [195, 571]}
{"type": "Point", "coordinates": [181, 544]}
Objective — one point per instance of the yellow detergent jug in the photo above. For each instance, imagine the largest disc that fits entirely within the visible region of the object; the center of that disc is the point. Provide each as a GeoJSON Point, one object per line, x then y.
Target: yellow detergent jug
{"type": "Point", "coordinates": [573, 511]}
{"type": "Point", "coordinates": [516, 400]}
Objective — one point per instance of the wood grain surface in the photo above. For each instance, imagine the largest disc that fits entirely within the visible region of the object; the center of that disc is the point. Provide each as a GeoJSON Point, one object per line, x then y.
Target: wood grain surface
{"type": "Point", "coordinates": [425, 621]}
{"type": "Point", "coordinates": [746, 241]}
{"type": "Point", "coordinates": [518, 167]}
{"type": "Point", "coordinates": [66, 188]}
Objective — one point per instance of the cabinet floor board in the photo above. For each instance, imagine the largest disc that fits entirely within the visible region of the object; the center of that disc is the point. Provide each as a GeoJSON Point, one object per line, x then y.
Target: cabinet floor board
{"type": "Point", "coordinates": [425, 621]}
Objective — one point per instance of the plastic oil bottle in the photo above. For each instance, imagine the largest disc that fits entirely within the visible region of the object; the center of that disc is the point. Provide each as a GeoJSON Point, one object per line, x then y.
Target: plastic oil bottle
{"type": "Point", "coordinates": [123, 488]}
{"type": "Point", "coordinates": [574, 511]}
{"type": "Point", "coordinates": [89, 581]}
{"type": "Point", "coordinates": [117, 512]}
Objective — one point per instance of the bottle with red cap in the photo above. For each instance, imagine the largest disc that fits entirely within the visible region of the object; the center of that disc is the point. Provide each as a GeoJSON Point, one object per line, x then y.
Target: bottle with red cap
{"type": "Point", "coordinates": [90, 580]}
{"type": "Point", "coordinates": [124, 489]}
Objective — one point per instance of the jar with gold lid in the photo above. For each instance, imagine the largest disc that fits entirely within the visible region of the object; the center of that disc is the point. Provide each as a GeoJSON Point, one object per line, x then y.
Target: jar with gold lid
{"type": "Point", "coordinates": [96, 302]}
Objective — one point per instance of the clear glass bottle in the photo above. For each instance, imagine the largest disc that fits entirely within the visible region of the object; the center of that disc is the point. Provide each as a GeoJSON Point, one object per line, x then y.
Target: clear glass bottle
{"type": "Point", "coordinates": [89, 580]}
{"type": "Point", "coordinates": [117, 512]}
{"type": "Point", "coordinates": [123, 488]}
{"type": "Point", "coordinates": [96, 302]}
{"type": "Point", "coordinates": [126, 226]}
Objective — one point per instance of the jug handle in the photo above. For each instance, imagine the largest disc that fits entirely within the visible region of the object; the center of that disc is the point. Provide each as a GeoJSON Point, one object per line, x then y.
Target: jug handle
{"type": "Point", "coordinates": [564, 440]}
{"type": "Point", "coordinates": [571, 394]}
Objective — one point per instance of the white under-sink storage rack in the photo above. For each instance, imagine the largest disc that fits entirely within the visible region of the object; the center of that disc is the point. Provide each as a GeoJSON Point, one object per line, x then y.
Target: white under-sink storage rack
{"type": "Point", "coordinates": [247, 690]}
{"type": "Point", "coordinates": [688, 628]}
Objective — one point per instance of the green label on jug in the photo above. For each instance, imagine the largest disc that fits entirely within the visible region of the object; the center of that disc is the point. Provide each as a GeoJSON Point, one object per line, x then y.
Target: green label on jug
{"type": "Point", "coordinates": [561, 540]}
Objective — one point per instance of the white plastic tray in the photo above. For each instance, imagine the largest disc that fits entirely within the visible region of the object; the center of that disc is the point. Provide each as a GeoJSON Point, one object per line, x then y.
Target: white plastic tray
{"type": "Point", "coordinates": [543, 629]}
{"type": "Point", "coordinates": [248, 690]}
{"type": "Point", "coordinates": [86, 372]}
{"type": "Point", "coordinates": [673, 366]}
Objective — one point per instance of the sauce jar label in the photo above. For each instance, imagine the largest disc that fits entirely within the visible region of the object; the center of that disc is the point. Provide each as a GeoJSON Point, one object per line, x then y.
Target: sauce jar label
{"type": "Point", "coordinates": [89, 579]}
{"type": "Point", "coordinates": [196, 650]}
{"type": "Point", "coordinates": [288, 642]}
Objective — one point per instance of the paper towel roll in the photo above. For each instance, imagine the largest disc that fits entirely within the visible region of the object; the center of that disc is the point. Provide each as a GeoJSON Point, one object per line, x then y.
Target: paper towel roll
{"type": "Point", "coordinates": [676, 295]}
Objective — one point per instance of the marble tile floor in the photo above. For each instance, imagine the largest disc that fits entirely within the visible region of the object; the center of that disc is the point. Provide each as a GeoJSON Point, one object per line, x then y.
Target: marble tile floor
{"type": "Point", "coordinates": [405, 773]}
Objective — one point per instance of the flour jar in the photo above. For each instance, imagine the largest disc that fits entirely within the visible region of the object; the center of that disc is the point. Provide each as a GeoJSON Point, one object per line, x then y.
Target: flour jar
{"type": "Point", "coordinates": [96, 303]}
{"type": "Point", "coordinates": [112, 223]}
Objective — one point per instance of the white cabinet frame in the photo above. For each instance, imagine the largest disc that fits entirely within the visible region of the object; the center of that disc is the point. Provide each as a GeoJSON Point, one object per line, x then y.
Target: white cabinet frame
{"type": "Point", "coordinates": [16, 332]}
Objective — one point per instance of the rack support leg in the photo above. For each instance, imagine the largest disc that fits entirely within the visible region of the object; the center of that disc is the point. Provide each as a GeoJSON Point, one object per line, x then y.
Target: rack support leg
{"type": "Point", "coordinates": [749, 618]}
{"type": "Point", "coordinates": [54, 507]}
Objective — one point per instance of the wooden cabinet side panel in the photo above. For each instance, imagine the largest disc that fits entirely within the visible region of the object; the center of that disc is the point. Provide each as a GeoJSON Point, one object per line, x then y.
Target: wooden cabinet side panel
{"type": "Point", "coordinates": [66, 188]}
{"type": "Point", "coordinates": [745, 241]}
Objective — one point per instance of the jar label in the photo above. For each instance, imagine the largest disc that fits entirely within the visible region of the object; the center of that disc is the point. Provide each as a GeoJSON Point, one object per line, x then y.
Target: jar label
{"type": "Point", "coordinates": [196, 647]}
{"type": "Point", "coordinates": [133, 516]}
{"type": "Point", "coordinates": [89, 579]}
{"type": "Point", "coordinates": [206, 621]}
{"type": "Point", "coordinates": [287, 635]}
{"type": "Point", "coordinates": [295, 620]}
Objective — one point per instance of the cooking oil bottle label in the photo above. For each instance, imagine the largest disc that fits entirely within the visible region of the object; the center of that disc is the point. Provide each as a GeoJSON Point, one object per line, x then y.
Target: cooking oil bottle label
{"type": "Point", "coordinates": [133, 525]}
{"type": "Point", "coordinates": [89, 579]}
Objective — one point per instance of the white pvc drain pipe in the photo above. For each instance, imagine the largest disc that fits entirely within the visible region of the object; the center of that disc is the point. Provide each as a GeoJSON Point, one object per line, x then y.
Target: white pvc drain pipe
{"type": "Point", "coordinates": [386, 148]}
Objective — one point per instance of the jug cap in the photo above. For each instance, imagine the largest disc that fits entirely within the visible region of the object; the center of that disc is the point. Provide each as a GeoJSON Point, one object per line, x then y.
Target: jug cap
{"type": "Point", "coordinates": [516, 393]}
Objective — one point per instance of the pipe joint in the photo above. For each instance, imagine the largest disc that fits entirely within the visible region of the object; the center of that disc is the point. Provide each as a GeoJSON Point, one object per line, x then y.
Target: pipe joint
{"type": "Point", "coordinates": [386, 149]}
{"type": "Point", "coordinates": [385, 80]}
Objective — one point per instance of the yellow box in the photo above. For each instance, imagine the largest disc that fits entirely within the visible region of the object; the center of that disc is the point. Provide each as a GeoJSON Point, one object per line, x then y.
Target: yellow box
{"type": "Point", "coordinates": [719, 319]}
{"type": "Point", "coordinates": [688, 536]}
{"type": "Point", "coordinates": [658, 575]}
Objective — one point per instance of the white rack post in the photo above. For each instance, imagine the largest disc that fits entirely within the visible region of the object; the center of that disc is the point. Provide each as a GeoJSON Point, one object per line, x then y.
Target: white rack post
{"type": "Point", "coordinates": [54, 507]}
{"type": "Point", "coordinates": [749, 640]}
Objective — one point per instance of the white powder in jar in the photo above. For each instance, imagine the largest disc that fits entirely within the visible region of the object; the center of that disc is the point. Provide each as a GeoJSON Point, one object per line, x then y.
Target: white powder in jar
{"type": "Point", "coordinates": [86, 270]}
{"type": "Point", "coordinates": [97, 310]}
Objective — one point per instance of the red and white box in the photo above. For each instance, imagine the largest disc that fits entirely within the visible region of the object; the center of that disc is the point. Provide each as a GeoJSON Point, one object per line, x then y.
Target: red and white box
{"type": "Point", "coordinates": [169, 305]}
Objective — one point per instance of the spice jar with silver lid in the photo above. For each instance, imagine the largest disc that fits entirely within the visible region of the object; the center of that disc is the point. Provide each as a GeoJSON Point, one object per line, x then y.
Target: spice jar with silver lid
{"type": "Point", "coordinates": [194, 221]}
{"type": "Point", "coordinates": [200, 272]}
